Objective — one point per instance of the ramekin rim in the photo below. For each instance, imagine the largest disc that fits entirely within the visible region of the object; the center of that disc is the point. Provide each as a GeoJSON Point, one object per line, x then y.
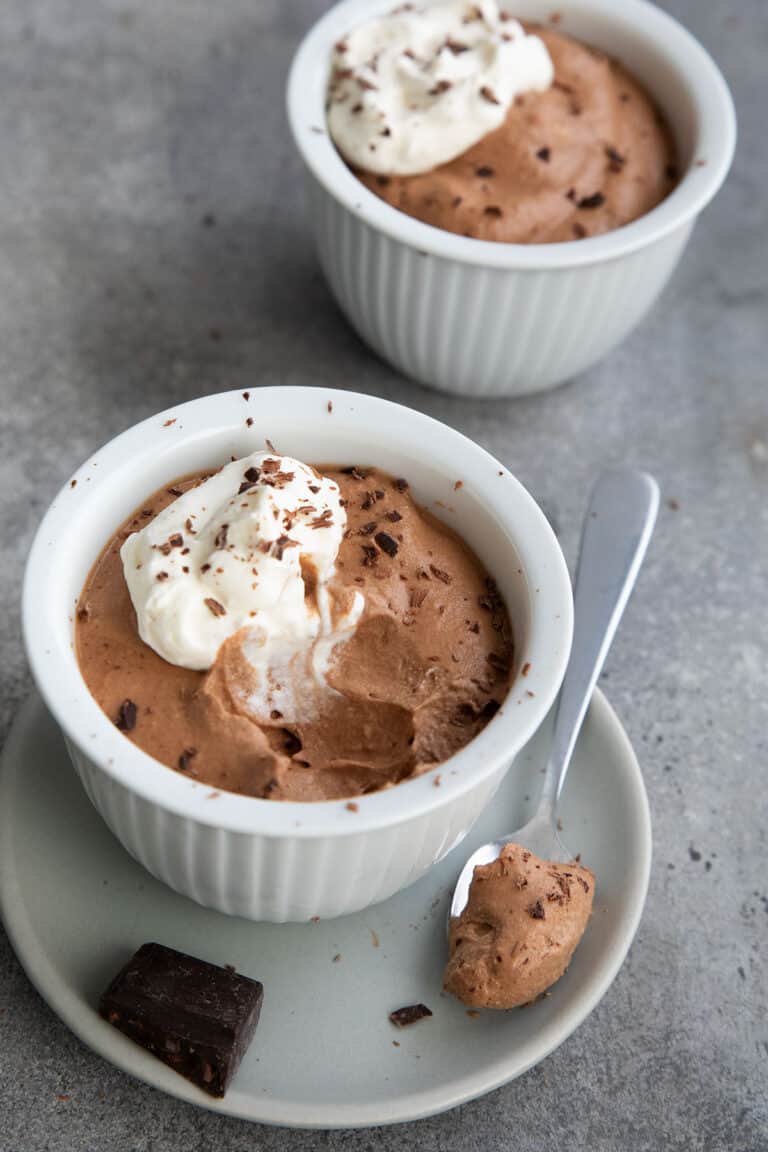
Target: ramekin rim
{"type": "Point", "coordinates": [79, 716]}
{"type": "Point", "coordinates": [696, 187]}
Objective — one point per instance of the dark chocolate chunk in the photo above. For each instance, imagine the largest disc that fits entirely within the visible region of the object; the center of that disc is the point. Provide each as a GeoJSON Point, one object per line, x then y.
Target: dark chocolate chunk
{"type": "Point", "coordinates": [126, 716]}
{"type": "Point", "coordinates": [194, 1016]}
{"type": "Point", "coordinates": [593, 201]}
{"type": "Point", "coordinates": [402, 1017]}
{"type": "Point", "coordinates": [544, 154]}
{"type": "Point", "coordinates": [386, 543]}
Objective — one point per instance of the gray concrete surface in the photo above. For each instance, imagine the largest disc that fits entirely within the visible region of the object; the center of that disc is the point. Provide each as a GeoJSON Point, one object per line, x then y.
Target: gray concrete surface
{"type": "Point", "coordinates": [153, 247]}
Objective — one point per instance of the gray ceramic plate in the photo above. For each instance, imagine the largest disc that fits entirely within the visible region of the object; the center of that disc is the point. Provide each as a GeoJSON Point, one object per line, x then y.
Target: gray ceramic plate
{"type": "Point", "coordinates": [76, 906]}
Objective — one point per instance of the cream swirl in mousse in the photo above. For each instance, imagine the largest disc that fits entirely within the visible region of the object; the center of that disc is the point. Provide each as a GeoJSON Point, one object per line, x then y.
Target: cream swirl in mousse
{"type": "Point", "coordinates": [248, 553]}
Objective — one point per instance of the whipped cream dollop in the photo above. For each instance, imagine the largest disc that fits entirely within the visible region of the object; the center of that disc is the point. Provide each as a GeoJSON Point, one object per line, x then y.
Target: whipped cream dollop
{"type": "Point", "coordinates": [415, 88]}
{"type": "Point", "coordinates": [252, 548]}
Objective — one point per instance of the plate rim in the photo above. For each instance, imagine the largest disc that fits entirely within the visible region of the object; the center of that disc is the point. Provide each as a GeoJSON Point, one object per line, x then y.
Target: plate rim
{"type": "Point", "coordinates": [122, 1054]}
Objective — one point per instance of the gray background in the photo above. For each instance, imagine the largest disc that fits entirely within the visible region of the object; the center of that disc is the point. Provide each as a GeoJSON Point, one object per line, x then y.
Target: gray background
{"type": "Point", "coordinates": [153, 247]}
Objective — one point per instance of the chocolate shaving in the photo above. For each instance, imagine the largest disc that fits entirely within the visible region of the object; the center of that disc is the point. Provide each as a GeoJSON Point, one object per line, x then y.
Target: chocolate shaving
{"type": "Point", "coordinates": [393, 516]}
{"type": "Point", "coordinates": [401, 484]}
{"type": "Point", "coordinates": [456, 46]}
{"type": "Point", "coordinates": [355, 472]}
{"type": "Point", "coordinates": [440, 574]}
{"type": "Point", "coordinates": [370, 555]}
{"type": "Point", "coordinates": [281, 544]}
{"type": "Point", "coordinates": [325, 520]}
{"type": "Point", "coordinates": [366, 85]}
{"type": "Point", "coordinates": [368, 529]}
{"type": "Point", "coordinates": [440, 87]}
{"type": "Point", "coordinates": [175, 491]}
{"type": "Point", "coordinates": [488, 94]}
{"type": "Point", "coordinates": [176, 541]}
{"type": "Point", "coordinates": [493, 210]}
{"type": "Point", "coordinates": [215, 607]}
{"type": "Point", "coordinates": [126, 716]}
{"type": "Point", "coordinates": [594, 201]}
{"type": "Point", "coordinates": [161, 576]}
{"type": "Point", "coordinates": [417, 597]}
{"type": "Point", "coordinates": [409, 1014]}
{"type": "Point", "coordinates": [386, 543]}
{"type": "Point", "coordinates": [221, 536]}
{"type": "Point", "coordinates": [617, 161]}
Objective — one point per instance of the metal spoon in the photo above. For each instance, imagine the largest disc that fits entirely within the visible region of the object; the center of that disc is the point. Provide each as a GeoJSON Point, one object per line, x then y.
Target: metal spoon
{"type": "Point", "coordinates": [617, 529]}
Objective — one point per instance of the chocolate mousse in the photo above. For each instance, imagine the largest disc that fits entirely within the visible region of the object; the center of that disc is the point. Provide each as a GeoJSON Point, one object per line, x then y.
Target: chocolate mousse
{"type": "Point", "coordinates": [519, 929]}
{"type": "Point", "coordinates": [577, 153]}
{"type": "Point", "coordinates": [292, 666]}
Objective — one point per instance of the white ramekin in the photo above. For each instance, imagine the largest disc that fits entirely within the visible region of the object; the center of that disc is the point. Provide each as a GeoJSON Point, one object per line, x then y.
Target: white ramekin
{"type": "Point", "coordinates": [263, 859]}
{"type": "Point", "coordinates": [486, 319]}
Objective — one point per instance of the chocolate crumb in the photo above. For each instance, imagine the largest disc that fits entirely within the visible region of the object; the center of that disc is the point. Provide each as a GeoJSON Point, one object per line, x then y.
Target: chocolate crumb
{"type": "Point", "coordinates": [368, 529]}
{"type": "Point", "coordinates": [673, 505]}
{"type": "Point", "coordinates": [246, 395]}
{"type": "Point", "coordinates": [221, 536]}
{"type": "Point", "coordinates": [596, 200]}
{"type": "Point", "coordinates": [493, 210]}
{"type": "Point", "coordinates": [161, 576]}
{"type": "Point", "coordinates": [168, 423]}
{"type": "Point", "coordinates": [393, 516]}
{"type": "Point", "coordinates": [671, 172]}
{"type": "Point", "coordinates": [474, 627]}
{"type": "Point", "coordinates": [386, 543]}
{"type": "Point", "coordinates": [330, 406]}
{"type": "Point", "coordinates": [249, 422]}
{"type": "Point", "coordinates": [544, 154]}
{"type": "Point", "coordinates": [456, 46]}
{"type": "Point", "coordinates": [409, 1014]}
{"type": "Point", "coordinates": [370, 555]}
{"type": "Point", "coordinates": [525, 669]}
{"type": "Point", "coordinates": [440, 87]}
{"type": "Point", "coordinates": [336, 958]}
{"type": "Point", "coordinates": [579, 231]}
{"type": "Point", "coordinates": [536, 911]}
{"type": "Point", "coordinates": [126, 716]}
{"type": "Point", "coordinates": [215, 607]}
{"type": "Point", "coordinates": [484, 172]}
{"type": "Point", "coordinates": [187, 755]}
{"type": "Point", "coordinates": [83, 613]}
{"type": "Point", "coordinates": [401, 484]}
{"type": "Point", "coordinates": [351, 806]}
{"type": "Point", "coordinates": [73, 483]}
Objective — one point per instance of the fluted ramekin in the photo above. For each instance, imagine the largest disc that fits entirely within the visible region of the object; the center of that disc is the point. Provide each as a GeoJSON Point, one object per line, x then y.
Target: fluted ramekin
{"type": "Point", "coordinates": [263, 859]}
{"type": "Point", "coordinates": [481, 318]}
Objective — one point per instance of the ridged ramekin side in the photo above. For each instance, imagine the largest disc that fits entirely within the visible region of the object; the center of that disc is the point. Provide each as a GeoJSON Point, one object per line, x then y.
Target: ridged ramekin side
{"type": "Point", "coordinates": [480, 331]}
{"type": "Point", "coordinates": [285, 878]}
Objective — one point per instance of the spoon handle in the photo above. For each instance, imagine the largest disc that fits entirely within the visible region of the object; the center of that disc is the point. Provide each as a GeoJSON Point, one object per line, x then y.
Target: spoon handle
{"type": "Point", "coordinates": [617, 530]}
